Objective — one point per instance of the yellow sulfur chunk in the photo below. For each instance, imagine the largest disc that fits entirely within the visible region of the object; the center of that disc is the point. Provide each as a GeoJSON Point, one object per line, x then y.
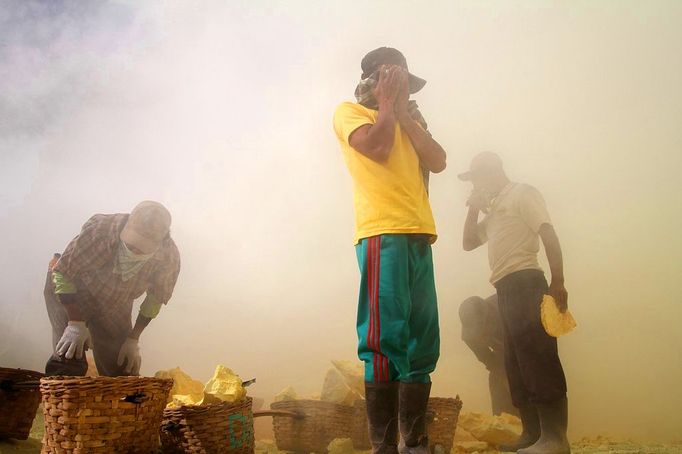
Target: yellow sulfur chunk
{"type": "Point", "coordinates": [185, 391]}
{"type": "Point", "coordinates": [555, 323]}
{"type": "Point", "coordinates": [494, 430]}
{"type": "Point", "coordinates": [288, 393]}
{"type": "Point", "coordinates": [336, 390]}
{"type": "Point", "coordinates": [354, 374]}
{"type": "Point", "coordinates": [225, 385]}
{"type": "Point", "coordinates": [341, 446]}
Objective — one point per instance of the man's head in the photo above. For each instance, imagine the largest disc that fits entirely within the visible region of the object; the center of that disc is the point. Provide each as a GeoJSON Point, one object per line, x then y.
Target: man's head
{"type": "Point", "coordinates": [389, 56]}
{"type": "Point", "coordinates": [147, 227]}
{"type": "Point", "coordinates": [486, 172]}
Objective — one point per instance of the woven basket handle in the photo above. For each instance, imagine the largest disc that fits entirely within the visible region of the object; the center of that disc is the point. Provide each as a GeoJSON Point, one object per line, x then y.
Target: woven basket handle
{"type": "Point", "coordinates": [284, 413]}
{"type": "Point", "coordinates": [136, 398]}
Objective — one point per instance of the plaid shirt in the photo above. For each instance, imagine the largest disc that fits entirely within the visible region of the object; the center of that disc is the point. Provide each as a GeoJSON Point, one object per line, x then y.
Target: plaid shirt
{"type": "Point", "coordinates": [89, 260]}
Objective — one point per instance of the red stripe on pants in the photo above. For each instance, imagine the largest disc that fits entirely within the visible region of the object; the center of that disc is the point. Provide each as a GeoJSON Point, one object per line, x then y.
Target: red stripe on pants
{"type": "Point", "coordinates": [380, 362]}
{"type": "Point", "coordinates": [370, 277]}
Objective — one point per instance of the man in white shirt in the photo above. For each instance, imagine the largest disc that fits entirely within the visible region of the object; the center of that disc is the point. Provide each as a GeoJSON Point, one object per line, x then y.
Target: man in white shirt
{"type": "Point", "coordinates": [515, 221]}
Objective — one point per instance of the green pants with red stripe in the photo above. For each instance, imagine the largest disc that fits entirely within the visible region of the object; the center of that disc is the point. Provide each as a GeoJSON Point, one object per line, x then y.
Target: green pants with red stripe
{"type": "Point", "coordinates": [397, 324]}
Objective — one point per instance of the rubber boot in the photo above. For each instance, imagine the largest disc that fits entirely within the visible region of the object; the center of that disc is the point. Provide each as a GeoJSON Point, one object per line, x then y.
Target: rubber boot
{"type": "Point", "coordinates": [382, 416]}
{"type": "Point", "coordinates": [553, 425]}
{"type": "Point", "coordinates": [531, 430]}
{"type": "Point", "coordinates": [414, 399]}
{"type": "Point", "coordinates": [57, 365]}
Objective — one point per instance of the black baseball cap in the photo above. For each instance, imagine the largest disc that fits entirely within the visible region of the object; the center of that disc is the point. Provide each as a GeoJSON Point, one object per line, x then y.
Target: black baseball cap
{"type": "Point", "coordinates": [389, 56]}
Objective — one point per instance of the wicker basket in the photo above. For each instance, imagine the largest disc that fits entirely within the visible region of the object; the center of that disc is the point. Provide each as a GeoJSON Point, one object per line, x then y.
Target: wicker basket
{"type": "Point", "coordinates": [442, 415]}
{"type": "Point", "coordinates": [103, 414]}
{"type": "Point", "coordinates": [319, 423]}
{"type": "Point", "coordinates": [210, 429]}
{"type": "Point", "coordinates": [441, 429]}
{"type": "Point", "coordinates": [18, 402]}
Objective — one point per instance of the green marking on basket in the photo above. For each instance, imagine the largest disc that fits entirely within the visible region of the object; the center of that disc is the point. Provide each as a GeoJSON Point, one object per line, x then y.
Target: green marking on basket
{"type": "Point", "coordinates": [246, 430]}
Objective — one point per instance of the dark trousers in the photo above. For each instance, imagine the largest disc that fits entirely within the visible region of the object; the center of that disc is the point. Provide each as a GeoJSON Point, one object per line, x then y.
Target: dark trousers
{"type": "Point", "coordinates": [106, 344]}
{"type": "Point", "coordinates": [533, 367]}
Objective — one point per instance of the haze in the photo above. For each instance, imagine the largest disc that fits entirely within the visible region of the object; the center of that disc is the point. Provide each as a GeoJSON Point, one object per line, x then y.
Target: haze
{"type": "Point", "coordinates": [222, 111]}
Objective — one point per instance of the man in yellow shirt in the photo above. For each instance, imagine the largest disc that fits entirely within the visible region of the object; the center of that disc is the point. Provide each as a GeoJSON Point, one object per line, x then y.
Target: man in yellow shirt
{"type": "Point", "coordinates": [389, 154]}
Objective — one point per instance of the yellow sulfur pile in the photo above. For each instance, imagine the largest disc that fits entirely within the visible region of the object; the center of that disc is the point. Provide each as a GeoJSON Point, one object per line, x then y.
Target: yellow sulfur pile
{"type": "Point", "coordinates": [482, 433]}
{"type": "Point", "coordinates": [554, 321]}
{"type": "Point", "coordinates": [353, 373]}
{"type": "Point", "coordinates": [288, 393]}
{"type": "Point", "coordinates": [343, 384]}
{"type": "Point", "coordinates": [224, 386]}
{"type": "Point", "coordinates": [185, 391]}
{"type": "Point", "coordinates": [335, 389]}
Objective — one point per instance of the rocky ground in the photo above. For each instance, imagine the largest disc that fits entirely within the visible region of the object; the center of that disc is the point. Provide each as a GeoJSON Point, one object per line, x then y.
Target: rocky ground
{"type": "Point", "coordinates": [596, 445]}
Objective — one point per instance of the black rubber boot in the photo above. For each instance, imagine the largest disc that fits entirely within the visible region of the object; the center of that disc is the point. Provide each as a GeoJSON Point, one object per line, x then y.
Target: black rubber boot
{"type": "Point", "coordinates": [382, 416]}
{"type": "Point", "coordinates": [531, 430]}
{"type": "Point", "coordinates": [553, 426]}
{"type": "Point", "coordinates": [414, 399]}
{"type": "Point", "coordinates": [57, 365]}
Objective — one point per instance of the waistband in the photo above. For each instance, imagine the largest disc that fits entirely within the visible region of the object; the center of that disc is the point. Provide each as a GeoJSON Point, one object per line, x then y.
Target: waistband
{"type": "Point", "coordinates": [517, 277]}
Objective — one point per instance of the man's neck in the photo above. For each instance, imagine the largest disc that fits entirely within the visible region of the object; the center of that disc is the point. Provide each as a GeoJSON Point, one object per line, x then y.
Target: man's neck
{"type": "Point", "coordinates": [500, 184]}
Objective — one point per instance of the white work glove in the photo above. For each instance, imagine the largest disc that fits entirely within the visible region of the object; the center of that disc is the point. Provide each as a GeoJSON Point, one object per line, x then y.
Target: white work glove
{"type": "Point", "coordinates": [75, 340]}
{"type": "Point", "coordinates": [130, 355]}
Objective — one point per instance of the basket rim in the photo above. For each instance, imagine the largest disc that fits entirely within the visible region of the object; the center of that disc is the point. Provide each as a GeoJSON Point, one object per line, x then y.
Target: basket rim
{"type": "Point", "coordinates": [312, 401]}
{"type": "Point", "coordinates": [73, 380]}
{"type": "Point", "coordinates": [196, 409]}
{"type": "Point", "coordinates": [446, 399]}
{"type": "Point", "coordinates": [19, 370]}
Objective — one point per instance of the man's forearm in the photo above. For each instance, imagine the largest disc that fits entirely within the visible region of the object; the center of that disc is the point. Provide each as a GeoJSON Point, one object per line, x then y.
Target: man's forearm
{"type": "Point", "coordinates": [73, 310]}
{"type": "Point", "coordinates": [140, 324]}
{"type": "Point", "coordinates": [482, 352]}
{"type": "Point", "coordinates": [470, 238]}
{"type": "Point", "coordinates": [430, 152]}
{"type": "Point", "coordinates": [378, 141]}
{"type": "Point", "coordinates": [553, 251]}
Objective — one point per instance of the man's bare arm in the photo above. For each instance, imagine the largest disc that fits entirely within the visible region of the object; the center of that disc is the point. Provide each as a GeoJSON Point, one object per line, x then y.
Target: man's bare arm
{"type": "Point", "coordinates": [376, 141]}
{"type": "Point", "coordinates": [556, 265]}
{"type": "Point", "coordinates": [471, 240]}
{"type": "Point", "coordinates": [73, 310]}
{"type": "Point", "coordinates": [431, 154]}
{"type": "Point", "coordinates": [477, 203]}
{"type": "Point", "coordinates": [140, 324]}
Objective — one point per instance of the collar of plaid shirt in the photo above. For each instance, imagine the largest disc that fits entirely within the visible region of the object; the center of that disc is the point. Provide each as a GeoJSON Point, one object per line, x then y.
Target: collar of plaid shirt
{"type": "Point", "coordinates": [365, 97]}
{"type": "Point", "coordinates": [128, 263]}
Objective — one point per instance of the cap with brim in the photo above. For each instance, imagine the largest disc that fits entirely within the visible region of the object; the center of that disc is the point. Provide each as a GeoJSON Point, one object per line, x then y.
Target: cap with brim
{"type": "Point", "coordinates": [466, 176]}
{"type": "Point", "coordinates": [416, 83]}
{"type": "Point", "coordinates": [147, 226]}
{"type": "Point", "coordinates": [390, 56]}
{"type": "Point", "coordinates": [482, 162]}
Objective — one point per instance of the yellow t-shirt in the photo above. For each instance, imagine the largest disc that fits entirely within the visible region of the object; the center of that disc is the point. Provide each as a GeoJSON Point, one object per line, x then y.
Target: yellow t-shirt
{"type": "Point", "coordinates": [389, 197]}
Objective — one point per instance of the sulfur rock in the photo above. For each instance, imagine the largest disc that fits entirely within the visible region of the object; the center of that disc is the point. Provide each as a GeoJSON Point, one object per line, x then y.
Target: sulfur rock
{"type": "Point", "coordinates": [225, 385]}
{"type": "Point", "coordinates": [288, 393]}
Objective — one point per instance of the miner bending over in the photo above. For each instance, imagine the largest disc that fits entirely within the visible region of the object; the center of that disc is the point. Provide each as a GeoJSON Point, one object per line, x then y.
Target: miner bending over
{"type": "Point", "coordinates": [90, 290]}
